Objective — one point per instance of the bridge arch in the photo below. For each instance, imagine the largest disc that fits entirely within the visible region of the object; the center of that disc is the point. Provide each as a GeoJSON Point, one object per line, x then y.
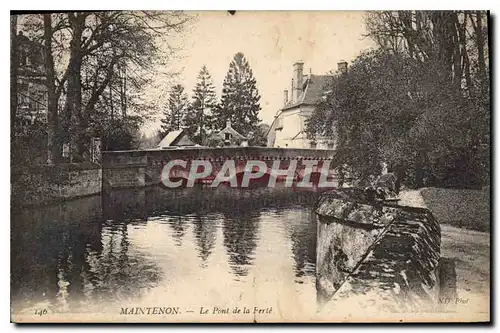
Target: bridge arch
{"type": "Point", "coordinates": [145, 168]}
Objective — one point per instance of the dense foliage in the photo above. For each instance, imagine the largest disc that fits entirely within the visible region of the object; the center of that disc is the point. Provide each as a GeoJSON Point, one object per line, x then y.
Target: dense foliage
{"type": "Point", "coordinates": [240, 98]}
{"type": "Point", "coordinates": [199, 119]}
{"type": "Point", "coordinates": [405, 105]}
{"type": "Point", "coordinates": [176, 110]}
{"type": "Point", "coordinates": [239, 104]}
{"type": "Point", "coordinates": [96, 65]}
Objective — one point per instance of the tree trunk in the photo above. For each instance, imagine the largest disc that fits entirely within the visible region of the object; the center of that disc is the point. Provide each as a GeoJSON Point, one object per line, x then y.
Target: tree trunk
{"type": "Point", "coordinates": [480, 48]}
{"type": "Point", "coordinates": [465, 56]}
{"type": "Point", "coordinates": [419, 169]}
{"type": "Point", "coordinates": [73, 107]}
{"type": "Point", "coordinates": [53, 144]}
{"type": "Point", "coordinates": [400, 171]}
{"type": "Point", "coordinates": [455, 41]}
{"type": "Point", "coordinates": [14, 65]}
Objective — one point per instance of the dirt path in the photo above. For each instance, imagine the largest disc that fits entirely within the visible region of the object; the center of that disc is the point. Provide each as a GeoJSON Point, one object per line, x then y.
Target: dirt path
{"type": "Point", "coordinates": [471, 252]}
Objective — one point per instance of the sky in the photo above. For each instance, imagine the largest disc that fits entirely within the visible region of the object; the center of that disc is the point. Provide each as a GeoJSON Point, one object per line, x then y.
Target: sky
{"type": "Point", "coordinates": [272, 41]}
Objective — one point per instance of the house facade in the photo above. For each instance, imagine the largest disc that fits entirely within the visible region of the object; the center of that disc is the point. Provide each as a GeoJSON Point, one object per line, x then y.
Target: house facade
{"type": "Point", "coordinates": [227, 137]}
{"type": "Point", "coordinates": [31, 85]}
{"type": "Point", "coordinates": [288, 129]}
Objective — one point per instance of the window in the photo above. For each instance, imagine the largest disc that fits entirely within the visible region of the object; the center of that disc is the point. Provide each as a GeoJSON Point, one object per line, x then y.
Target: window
{"type": "Point", "coordinates": [227, 136]}
{"type": "Point", "coordinates": [313, 145]}
{"type": "Point", "coordinates": [279, 124]}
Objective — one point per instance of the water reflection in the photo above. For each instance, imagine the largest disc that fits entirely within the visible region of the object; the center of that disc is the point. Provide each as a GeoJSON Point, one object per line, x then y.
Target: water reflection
{"type": "Point", "coordinates": [178, 225]}
{"type": "Point", "coordinates": [68, 256]}
{"type": "Point", "coordinates": [121, 271]}
{"type": "Point", "coordinates": [303, 237]}
{"type": "Point", "coordinates": [89, 253]}
{"type": "Point", "coordinates": [240, 232]}
{"type": "Point", "coordinates": [204, 232]}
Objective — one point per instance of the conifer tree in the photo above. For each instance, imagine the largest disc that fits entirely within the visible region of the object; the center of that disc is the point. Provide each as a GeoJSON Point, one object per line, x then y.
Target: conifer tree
{"type": "Point", "coordinates": [176, 111]}
{"type": "Point", "coordinates": [240, 98]}
{"type": "Point", "coordinates": [199, 119]}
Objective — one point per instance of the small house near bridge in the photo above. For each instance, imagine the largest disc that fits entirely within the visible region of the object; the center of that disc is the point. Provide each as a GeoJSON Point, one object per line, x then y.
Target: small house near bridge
{"type": "Point", "coordinates": [175, 139]}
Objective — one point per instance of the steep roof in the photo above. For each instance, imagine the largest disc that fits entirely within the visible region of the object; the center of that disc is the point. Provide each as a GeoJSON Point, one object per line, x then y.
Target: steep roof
{"type": "Point", "coordinates": [231, 130]}
{"type": "Point", "coordinates": [314, 88]}
{"type": "Point", "coordinates": [172, 139]}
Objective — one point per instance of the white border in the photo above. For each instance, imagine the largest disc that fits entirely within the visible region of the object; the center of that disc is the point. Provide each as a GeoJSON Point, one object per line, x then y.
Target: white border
{"type": "Point", "coordinates": [199, 5]}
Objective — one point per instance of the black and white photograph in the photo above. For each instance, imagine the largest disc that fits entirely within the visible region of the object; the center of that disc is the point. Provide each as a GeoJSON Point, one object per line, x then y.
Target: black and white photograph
{"type": "Point", "coordinates": [238, 166]}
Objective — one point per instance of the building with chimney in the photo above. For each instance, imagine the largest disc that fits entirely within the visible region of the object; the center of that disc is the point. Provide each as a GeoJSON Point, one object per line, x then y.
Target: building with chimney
{"type": "Point", "coordinates": [288, 129]}
{"type": "Point", "coordinates": [31, 86]}
{"type": "Point", "coordinates": [227, 137]}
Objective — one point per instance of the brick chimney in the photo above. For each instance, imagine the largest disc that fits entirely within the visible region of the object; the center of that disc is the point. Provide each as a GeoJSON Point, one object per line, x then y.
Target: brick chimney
{"type": "Point", "coordinates": [298, 79]}
{"type": "Point", "coordinates": [342, 66]}
{"type": "Point", "coordinates": [285, 97]}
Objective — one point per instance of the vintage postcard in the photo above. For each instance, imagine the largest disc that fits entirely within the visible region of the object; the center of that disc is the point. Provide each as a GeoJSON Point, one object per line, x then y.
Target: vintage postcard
{"type": "Point", "coordinates": [250, 166]}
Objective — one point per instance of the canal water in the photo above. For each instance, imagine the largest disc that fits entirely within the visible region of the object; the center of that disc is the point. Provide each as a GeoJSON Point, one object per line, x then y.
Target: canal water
{"type": "Point", "coordinates": [192, 248]}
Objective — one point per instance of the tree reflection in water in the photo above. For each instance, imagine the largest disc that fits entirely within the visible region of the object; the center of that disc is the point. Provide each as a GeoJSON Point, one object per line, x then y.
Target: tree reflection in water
{"type": "Point", "coordinates": [205, 230]}
{"type": "Point", "coordinates": [178, 225]}
{"type": "Point", "coordinates": [77, 255]}
{"type": "Point", "coordinates": [240, 227]}
{"type": "Point", "coordinates": [303, 236]}
{"type": "Point", "coordinates": [68, 259]}
{"type": "Point", "coordinates": [120, 271]}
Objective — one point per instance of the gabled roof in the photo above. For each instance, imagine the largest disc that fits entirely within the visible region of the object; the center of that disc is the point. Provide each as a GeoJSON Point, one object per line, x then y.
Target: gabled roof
{"type": "Point", "coordinates": [314, 88]}
{"type": "Point", "coordinates": [231, 130]}
{"type": "Point", "coordinates": [172, 139]}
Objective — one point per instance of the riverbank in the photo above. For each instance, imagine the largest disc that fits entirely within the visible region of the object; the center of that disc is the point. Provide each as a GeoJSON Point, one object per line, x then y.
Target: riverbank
{"type": "Point", "coordinates": [46, 184]}
{"type": "Point", "coordinates": [461, 208]}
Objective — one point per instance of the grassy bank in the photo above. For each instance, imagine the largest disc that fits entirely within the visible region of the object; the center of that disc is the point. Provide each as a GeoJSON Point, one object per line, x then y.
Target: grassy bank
{"type": "Point", "coordinates": [460, 208]}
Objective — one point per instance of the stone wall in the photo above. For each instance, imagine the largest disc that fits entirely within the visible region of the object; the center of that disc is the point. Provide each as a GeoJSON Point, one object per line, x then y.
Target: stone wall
{"type": "Point", "coordinates": [52, 183]}
{"type": "Point", "coordinates": [120, 178]}
{"type": "Point", "coordinates": [122, 170]}
{"type": "Point", "coordinates": [376, 256]}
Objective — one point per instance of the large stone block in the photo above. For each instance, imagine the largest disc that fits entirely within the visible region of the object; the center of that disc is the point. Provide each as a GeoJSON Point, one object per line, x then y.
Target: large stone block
{"type": "Point", "coordinates": [123, 178]}
{"type": "Point", "coordinates": [376, 255]}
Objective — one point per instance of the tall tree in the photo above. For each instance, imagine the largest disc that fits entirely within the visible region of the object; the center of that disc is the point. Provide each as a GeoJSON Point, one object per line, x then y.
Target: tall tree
{"type": "Point", "coordinates": [199, 120]}
{"type": "Point", "coordinates": [176, 111]}
{"type": "Point", "coordinates": [455, 39]}
{"type": "Point", "coordinates": [391, 108]}
{"type": "Point", "coordinates": [240, 98]}
{"type": "Point", "coordinates": [53, 94]}
{"type": "Point", "coordinates": [94, 54]}
{"type": "Point", "coordinates": [453, 44]}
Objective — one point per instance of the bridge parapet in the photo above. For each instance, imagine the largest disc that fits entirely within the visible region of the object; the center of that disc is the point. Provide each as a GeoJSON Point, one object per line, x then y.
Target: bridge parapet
{"type": "Point", "coordinates": [124, 169]}
{"type": "Point", "coordinates": [137, 168]}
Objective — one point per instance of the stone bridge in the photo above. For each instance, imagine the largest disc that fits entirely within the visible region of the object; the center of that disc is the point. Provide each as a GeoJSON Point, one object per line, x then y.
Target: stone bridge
{"type": "Point", "coordinates": [140, 168]}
